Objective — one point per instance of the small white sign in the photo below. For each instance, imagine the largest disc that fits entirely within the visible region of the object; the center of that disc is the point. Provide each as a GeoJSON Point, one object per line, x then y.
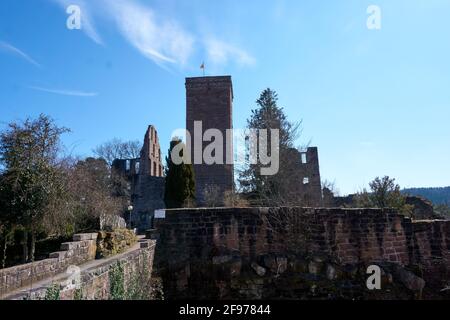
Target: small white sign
{"type": "Point", "coordinates": [160, 214]}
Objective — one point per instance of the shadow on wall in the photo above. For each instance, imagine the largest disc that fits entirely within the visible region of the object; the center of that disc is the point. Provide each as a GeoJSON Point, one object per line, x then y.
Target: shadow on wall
{"type": "Point", "coordinates": [300, 253]}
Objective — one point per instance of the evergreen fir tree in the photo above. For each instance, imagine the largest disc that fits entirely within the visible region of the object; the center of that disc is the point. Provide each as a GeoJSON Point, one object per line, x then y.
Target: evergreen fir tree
{"type": "Point", "coordinates": [279, 189]}
{"type": "Point", "coordinates": [180, 182]}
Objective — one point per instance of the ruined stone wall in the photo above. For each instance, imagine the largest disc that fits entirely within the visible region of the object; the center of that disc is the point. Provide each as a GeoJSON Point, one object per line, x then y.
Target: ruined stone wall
{"type": "Point", "coordinates": [422, 208]}
{"type": "Point", "coordinates": [309, 188]}
{"type": "Point", "coordinates": [431, 248]}
{"type": "Point", "coordinates": [82, 249]}
{"type": "Point", "coordinates": [146, 178]}
{"type": "Point", "coordinates": [147, 196]}
{"type": "Point", "coordinates": [151, 159]}
{"type": "Point", "coordinates": [210, 100]}
{"type": "Point", "coordinates": [276, 252]}
{"type": "Point", "coordinates": [94, 282]}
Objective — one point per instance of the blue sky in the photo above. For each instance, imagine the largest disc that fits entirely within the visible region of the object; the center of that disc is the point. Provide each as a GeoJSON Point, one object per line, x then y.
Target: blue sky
{"type": "Point", "coordinates": [375, 102]}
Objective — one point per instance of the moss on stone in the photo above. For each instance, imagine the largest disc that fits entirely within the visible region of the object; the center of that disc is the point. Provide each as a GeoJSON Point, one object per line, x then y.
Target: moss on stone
{"type": "Point", "coordinates": [115, 242]}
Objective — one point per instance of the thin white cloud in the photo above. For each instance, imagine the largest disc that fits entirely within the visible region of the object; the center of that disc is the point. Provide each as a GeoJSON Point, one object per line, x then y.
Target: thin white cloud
{"type": "Point", "coordinates": [11, 49]}
{"type": "Point", "coordinates": [65, 92]}
{"type": "Point", "coordinates": [221, 53]}
{"type": "Point", "coordinates": [87, 25]}
{"type": "Point", "coordinates": [160, 40]}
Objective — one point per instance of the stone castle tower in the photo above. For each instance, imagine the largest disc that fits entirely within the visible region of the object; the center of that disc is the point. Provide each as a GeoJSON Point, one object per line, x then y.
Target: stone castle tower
{"type": "Point", "coordinates": [151, 160]}
{"type": "Point", "coordinates": [145, 176]}
{"type": "Point", "coordinates": [210, 100]}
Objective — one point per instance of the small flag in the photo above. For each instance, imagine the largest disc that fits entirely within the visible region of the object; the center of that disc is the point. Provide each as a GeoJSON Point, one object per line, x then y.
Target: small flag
{"type": "Point", "coordinates": [203, 67]}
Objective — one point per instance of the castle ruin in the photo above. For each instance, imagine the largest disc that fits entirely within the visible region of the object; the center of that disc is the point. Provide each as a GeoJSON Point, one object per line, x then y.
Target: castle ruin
{"type": "Point", "coordinates": [145, 176]}
{"type": "Point", "coordinates": [309, 188]}
{"type": "Point", "coordinates": [209, 102]}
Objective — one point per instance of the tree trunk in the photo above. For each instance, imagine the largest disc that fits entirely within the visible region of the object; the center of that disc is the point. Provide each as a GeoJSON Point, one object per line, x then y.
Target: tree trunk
{"type": "Point", "coordinates": [5, 247]}
{"type": "Point", "coordinates": [32, 245]}
{"type": "Point", "coordinates": [25, 247]}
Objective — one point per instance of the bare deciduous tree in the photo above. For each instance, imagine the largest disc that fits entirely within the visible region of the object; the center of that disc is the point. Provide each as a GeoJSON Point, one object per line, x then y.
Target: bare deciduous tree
{"type": "Point", "coordinates": [118, 149]}
{"type": "Point", "coordinates": [329, 192]}
{"type": "Point", "coordinates": [233, 199]}
{"type": "Point", "coordinates": [384, 193]}
{"type": "Point", "coordinates": [91, 189]}
{"type": "Point", "coordinates": [213, 197]}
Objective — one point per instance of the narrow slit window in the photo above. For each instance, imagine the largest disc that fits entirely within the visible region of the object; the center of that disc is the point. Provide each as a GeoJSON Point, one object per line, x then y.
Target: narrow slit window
{"type": "Point", "coordinates": [306, 180]}
{"type": "Point", "coordinates": [136, 167]}
{"type": "Point", "coordinates": [303, 155]}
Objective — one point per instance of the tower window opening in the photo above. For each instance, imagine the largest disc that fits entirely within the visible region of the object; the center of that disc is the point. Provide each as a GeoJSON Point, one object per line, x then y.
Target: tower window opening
{"type": "Point", "coordinates": [303, 158]}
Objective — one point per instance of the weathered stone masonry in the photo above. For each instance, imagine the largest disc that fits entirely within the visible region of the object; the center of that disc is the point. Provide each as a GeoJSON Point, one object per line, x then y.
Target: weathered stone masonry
{"type": "Point", "coordinates": [210, 100]}
{"type": "Point", "coordinates": [211, 252]}
{"type": "Point", "coordinates": [94, 280]}
{"type": "Point", "coordinates": [146, 178]}
{"type": "Point", "coordinates": [82, 249]}
{"type": "Point", "coordinates": [309, 188]}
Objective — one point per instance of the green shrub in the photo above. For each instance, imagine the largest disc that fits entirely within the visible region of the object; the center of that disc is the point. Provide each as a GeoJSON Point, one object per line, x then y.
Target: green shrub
{"type": "Point", "coordinates": [117, 282]}
{"type": "Point", "coordinates": [53, 292]}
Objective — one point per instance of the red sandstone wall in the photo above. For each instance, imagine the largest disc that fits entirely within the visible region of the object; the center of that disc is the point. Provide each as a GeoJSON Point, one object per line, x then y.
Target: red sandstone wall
{"type": "Point", "coordinates": [195, 237]}
{"type": "Point", "coordinates": [351, 235]}
{"type": "Point", "coordinates": [210, 100]}
{"type": "Point", "coordinates": [363, 235]}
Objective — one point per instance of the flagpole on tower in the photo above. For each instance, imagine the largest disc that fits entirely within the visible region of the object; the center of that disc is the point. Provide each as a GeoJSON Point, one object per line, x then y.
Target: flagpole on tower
{"type": "Point", "coordinates": [203, 67]}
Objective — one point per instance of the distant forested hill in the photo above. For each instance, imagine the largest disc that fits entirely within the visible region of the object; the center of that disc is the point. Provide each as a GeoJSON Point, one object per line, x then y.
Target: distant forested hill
{"type": "Point", "coordinates": [435, 195]}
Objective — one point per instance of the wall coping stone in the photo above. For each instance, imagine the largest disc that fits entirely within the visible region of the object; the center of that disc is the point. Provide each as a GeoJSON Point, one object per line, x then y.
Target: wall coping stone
{"type": "Point", "coordinates": [84, 236]}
